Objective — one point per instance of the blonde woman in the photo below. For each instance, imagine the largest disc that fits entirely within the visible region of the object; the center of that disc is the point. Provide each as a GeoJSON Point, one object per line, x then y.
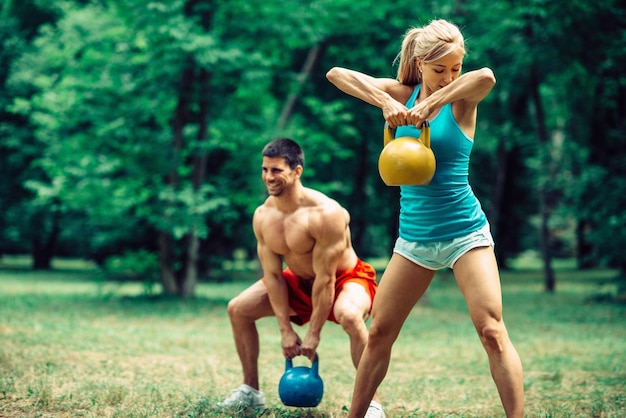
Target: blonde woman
{"type": "Point", "coordinates": [442, 225]}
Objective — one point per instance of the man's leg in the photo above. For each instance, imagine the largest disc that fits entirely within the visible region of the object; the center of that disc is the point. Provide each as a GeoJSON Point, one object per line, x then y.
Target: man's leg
{"type": "Point", "coordinates": [351, 310]}
{"type": "Point", "coordinates": [244, 310]}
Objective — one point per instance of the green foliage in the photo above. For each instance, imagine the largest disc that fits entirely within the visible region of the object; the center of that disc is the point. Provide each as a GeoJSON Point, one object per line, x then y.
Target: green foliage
{"type": "Point", "coordinates": [602, 201]}
{"type": "Point", "coordinates": [99, 143]}
{"type": "Point", "coordinates": [94, 93]}
{"type": "Point", "coordinates": [134, 265]}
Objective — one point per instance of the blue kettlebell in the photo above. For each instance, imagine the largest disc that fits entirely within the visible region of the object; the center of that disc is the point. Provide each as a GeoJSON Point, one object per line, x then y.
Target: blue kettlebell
{"type": "Point", "coordinates": [301, 386]}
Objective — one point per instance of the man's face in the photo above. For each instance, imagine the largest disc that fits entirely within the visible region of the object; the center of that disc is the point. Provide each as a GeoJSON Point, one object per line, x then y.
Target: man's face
{"type": "Point", "coordinates": [277, 175]}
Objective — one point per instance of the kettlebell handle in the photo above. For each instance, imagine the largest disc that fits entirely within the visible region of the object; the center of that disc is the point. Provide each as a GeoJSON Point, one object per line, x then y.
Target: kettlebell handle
{"type": "Point", "coordinates": [314, 365]}
{"type": "Point", "coordinates": [390, 133]}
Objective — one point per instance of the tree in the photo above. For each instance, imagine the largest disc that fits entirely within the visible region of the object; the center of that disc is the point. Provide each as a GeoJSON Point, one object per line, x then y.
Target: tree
{"type": "Point", "coordinates": [98, 144]}
{"type": "Point", "coordinates": [134, 129]}
{"type": "Point", "coordinates": [24, 225]}
{"type": "Point", "coordinates": [597, 123]}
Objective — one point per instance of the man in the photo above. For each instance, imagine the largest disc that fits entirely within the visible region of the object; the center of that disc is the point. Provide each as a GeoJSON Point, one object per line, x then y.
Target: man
{"type": "Point", "coordinates": [324, 279]}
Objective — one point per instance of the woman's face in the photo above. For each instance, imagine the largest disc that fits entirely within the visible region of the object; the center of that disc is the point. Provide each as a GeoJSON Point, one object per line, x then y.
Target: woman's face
{"type": "Point", "coordinates": [438, 74]}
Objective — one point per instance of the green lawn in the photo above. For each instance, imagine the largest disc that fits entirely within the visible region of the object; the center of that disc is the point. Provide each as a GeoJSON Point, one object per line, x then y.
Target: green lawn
{"type": "Point", "coordinates": [74, 346]}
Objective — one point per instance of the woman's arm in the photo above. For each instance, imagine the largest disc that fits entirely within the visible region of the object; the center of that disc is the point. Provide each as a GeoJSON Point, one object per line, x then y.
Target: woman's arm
{"type": "Point", "coordinates": [385, 93]}
{"type": "Point", "coordinates": [464, 93]}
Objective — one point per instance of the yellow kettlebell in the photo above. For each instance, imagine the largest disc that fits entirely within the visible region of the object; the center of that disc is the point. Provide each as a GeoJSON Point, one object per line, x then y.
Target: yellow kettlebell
{"type": "Point", "coordinates": [407, 160]}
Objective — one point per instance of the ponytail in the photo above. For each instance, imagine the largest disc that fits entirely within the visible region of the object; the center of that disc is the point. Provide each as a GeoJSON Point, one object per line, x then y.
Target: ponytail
{"type": "Point", "coordinates": [408, 71]}
{"type": "Point", "coordinates": [426, 44]}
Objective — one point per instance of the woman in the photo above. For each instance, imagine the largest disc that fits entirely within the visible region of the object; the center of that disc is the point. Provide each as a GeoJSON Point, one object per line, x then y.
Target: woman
{"type": "Point", "coordinates": [442, 225]}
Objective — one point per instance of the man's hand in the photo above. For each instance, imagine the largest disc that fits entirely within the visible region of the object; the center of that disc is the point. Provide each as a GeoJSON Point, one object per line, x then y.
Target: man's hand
{"type": "Point", "coordinates": [291, 344]}
{"type": "Point", "coordinates": [309, 346]}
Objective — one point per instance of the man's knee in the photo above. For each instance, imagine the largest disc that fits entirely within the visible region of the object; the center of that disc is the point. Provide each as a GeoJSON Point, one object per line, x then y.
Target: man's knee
{"type": "Point", "coordinates": [351, 320]}
{"type": "Point", "coordinates": [235, 307]}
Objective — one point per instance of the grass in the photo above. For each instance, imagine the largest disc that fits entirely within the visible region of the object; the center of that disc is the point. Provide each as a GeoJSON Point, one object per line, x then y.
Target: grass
{"type": "Point", "coordinates": [73, 346]}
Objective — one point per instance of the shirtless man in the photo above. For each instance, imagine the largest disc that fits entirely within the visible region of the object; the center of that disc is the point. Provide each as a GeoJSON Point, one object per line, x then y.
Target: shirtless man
{"type": "Point", "coordinates": [324, 279]}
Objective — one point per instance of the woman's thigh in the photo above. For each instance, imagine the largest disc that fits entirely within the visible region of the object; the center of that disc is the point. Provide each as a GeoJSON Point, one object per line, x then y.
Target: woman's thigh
{"type": "Point", "coordinates": [402, 285]}
{"type": "Point", "coordinates": [478, 278]}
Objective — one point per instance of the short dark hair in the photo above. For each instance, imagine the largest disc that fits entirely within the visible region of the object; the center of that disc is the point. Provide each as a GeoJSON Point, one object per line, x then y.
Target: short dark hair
{"type": "Point", "coordinates": [286, 148]}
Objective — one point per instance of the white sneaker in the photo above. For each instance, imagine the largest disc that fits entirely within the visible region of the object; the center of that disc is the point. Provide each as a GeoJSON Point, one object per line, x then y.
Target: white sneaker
{"type": "Point", "coordinates": [375, 410]}
{"type": "Point", "coordinates": [243, 397]}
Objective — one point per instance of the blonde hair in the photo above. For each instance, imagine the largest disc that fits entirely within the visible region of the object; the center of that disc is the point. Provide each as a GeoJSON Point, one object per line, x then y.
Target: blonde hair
{"type": "Point", "coordinates": [429, 43]}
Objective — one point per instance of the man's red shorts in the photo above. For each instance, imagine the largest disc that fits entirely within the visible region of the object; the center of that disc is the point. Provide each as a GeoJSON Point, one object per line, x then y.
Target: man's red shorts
{"type": "Point", "coordinates": [300, 296]}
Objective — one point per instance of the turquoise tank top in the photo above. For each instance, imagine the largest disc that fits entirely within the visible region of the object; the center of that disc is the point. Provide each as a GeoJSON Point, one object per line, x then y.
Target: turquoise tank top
{"type": "Point", "coordinates": [446, 208]}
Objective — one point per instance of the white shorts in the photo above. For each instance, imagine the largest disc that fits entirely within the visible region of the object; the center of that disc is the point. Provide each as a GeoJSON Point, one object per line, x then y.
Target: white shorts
{"type": "Point", "coordinates": [443, 254]}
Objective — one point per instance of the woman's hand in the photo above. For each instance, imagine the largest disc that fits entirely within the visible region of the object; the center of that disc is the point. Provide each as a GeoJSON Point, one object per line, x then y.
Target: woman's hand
{"type": "Point", "coordinates": [418, 114]}
{"type": "Point", "coordinates": [395, 113]}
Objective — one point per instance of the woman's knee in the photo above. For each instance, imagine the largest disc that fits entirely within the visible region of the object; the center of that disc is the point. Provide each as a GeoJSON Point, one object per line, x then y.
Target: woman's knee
{"type": "Point", "coordinates": [493, 335]}
{"type": "Point", "coordinates": [382, 335]}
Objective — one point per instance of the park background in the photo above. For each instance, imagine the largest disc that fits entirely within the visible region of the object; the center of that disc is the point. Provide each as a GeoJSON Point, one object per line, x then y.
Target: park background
{"type": "Point", "coordinates": [130, 139]}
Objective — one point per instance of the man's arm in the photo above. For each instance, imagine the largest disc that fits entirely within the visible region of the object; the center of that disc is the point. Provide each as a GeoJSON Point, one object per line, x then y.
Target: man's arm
{"type": "Point", "coordinates": [329, 232]}
{"type": "Point", "coordinates": [277, 291]}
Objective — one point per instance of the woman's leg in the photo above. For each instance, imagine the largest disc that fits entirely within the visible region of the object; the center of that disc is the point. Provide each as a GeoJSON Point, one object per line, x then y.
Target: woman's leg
{"type": "Point", "coordinates": [351, 310]}
{"type": "Point", "coordinates": [401, 286]}
{"type": "Point", "coordinates": [477, 274]}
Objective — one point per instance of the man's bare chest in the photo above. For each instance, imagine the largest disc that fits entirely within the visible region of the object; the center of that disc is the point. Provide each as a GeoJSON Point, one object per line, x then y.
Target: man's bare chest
{"type": "Point", "coordinates": [289, 235]}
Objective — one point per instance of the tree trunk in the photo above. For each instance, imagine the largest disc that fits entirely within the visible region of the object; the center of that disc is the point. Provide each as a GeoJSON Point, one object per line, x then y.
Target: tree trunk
{"type": "Point", "coordinates": [545, 177]}
{"type": "Point", "coordinates": [169, 277]}
{"type": "Point", "coordinates": [301, 79]}
{"type": "Point", "coordinates": [498, 194]}
{"type": "Point", "coordinates": [359, 223]}
{"type": "Point", "coordinates": [44, 247]}
{"type": "Point", "coordinates": [199, 78]}
{"type": "Point", "coordinates": [584, 249]}
{"type": "Point", "coordinates": [188, 285]}
{"type": "Point", "coordinates": [190, 278]}
{"type": "Point", "coordinates": [548, 272]}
